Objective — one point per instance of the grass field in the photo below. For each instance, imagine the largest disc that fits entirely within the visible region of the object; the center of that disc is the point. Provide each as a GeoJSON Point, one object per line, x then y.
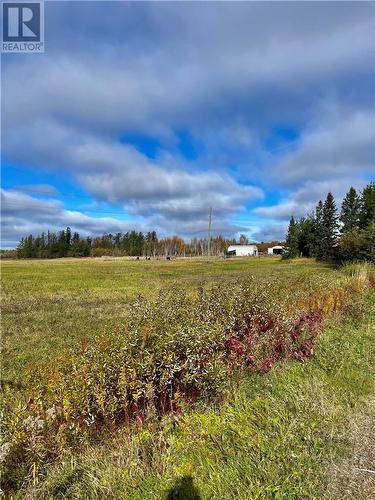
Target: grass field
{"type": "Point", "coordinates": [50, 304]}
{"type": "Point", "coordinates": [278, 433]}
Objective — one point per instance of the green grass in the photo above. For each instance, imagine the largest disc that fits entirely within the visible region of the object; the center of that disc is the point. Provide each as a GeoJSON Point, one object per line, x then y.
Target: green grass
{"type": "Point", "coordinates": [276, 436]}
{"type": "Point", "coordinates": [271, 436]}
{"type": "Point", "coordinates": [48, 305]}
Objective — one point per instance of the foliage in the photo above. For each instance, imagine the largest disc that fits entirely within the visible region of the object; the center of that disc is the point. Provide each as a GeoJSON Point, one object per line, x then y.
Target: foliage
{"type": "Point", "coordinates": [53, 245]}
{"type": "Point", "coordinates": [367, 247]}
{"type": "Point", "coordinates": [350, 244]}
{"type": "Point", "coordinates": [132, 243]}
{"type": "Point", "coordinates": [318, 226]}
{"type": "Point", "coordinates": [350, 211]}
{"type": "Point", "coordinates": [367, 211]}
{"type": "Point", "coordinates": [325, 229]}
{"type": "Point", "coordinates": [307, 236]}
{"type": "Point", "coordinates": [8, 254]}
{"type": "Point", "coordinates": [291, 240]}
{"type": "Point", "coordinates": [263, 247]}
{"type": "Point", "coordinates": [329, 228]}
{"type": "Point", "coordinates": [318, 235]}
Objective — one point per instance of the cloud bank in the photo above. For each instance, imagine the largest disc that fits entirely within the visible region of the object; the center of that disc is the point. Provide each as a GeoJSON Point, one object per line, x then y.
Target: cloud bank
{"type": "Point", "coordinates": [252, 108]}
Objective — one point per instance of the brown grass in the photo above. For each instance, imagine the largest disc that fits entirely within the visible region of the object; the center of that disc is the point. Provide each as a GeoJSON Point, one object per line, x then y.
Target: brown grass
{"type": "Point", "coordinates": [350, 478]}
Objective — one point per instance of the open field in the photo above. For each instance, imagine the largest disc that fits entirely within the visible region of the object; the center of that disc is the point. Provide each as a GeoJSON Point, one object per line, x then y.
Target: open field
{"type": "Point", "coordinates": [219, 383]}
{"type": "Point", "coordinates": [51, 304]}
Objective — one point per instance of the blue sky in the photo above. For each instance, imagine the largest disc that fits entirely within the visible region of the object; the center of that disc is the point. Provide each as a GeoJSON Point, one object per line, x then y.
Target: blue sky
{"type": "Point", "coordinates": [143, 115]}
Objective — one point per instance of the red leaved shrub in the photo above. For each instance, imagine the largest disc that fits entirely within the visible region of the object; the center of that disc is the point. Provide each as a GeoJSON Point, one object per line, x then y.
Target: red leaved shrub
{"type": "Point", "coordinates": [260, 342]}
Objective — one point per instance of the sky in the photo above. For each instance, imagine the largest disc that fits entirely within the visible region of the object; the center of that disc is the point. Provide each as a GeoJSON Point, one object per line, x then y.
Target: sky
{"type": "Point", "coordinates": [144, 115]}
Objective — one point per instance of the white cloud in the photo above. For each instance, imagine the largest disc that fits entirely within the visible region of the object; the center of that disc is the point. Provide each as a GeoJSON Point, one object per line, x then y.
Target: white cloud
{"type": "Point", "coordinates": [251, 60]}
{"type": "Point", "coordinates": [303, 200]}
{"type": "Point", "coordinates": [23, 214]}
{"type": "Point", "coordinates": [340, 146]}
{"type": "Point", "coordinates": [38, 189]}
{"type": "Point", "coordinates": [229, 73]}
{"type": "Point", "coordinates": [270, 232]}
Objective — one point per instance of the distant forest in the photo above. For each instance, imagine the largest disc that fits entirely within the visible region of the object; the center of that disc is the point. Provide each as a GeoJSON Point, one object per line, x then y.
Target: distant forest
{"type": "Point", "coordinates": [51, 245]}
{"type": "Point", "coordinates": [330, 235]}
{"type": "Point", "coordinates": [325, 234]}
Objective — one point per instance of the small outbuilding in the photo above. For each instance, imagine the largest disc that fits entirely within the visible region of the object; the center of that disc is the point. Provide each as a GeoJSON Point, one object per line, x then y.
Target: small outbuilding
{"type": "Point", "coordinates": [242, 251]}
{"type": "Point", "coordinates": [276, 250]}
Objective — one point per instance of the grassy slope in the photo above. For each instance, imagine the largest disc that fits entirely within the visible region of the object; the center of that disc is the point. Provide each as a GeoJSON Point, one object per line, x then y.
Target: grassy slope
{"type": "Point", "coordinates": [50, 304]}
{"type": "Point", "coordinates": [275, 437]}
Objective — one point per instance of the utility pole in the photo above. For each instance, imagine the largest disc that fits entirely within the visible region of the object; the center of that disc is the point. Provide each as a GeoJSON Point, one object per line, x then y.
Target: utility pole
{"type": "Point", "coordinates": [209, 232]}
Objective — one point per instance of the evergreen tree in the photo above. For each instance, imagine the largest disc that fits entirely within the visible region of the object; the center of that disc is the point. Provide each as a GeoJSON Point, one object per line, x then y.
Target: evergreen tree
{"type": "Point", "coordinates": [53, 250]}
{"type": "Point", "coordinates": [329, 227]}
{"type": "Point", "coordinates": [21, 249]}
{"type": "Point", "coordinates": [306, 236]}
{"type": "Point", "coordinates": [117, 240]}
{"type": "Point", "coordinates": [75, 245]}
{"type": "Point", "coordinates": [350, 211]}
{"type": "Point", "coordinates": [26, 248]}
{"type": "Point", "coordinates": [367, 211]}
{"type": "Point", "coordinates": [367, 250]}
{"type": "Point", "coordinates": [75, 239]}
{"type": "Point", "coordinates": [62, 245]}
{"type": "Point", "coordinates": [68, 235]}
{"type": "Point", "coordinates": [292, 240]}
{"type": "Point", "coordinates": [84, 246]}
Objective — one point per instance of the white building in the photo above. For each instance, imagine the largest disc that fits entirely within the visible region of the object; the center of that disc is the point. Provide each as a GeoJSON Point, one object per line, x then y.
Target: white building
{"type": "Point", "coordinates": [242, 250]}
{"type": "Point", "coordinates": [276, 250]}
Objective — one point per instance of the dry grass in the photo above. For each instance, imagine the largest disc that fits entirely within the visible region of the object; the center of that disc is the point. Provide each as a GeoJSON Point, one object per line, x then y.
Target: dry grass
{"type": "Point", "coordinates": [351, 479]}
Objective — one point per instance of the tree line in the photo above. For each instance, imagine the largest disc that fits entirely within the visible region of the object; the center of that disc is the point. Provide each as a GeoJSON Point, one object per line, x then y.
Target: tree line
{"type": "Point", "coordinates": [328, 234]}
{"type": "Point", "coordinates": [325, 234]}
{"type": "Point", "coordinates": [64, 243]}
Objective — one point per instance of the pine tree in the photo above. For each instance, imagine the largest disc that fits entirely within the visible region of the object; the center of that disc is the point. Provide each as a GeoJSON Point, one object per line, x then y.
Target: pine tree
{"type": "Point", "coordinates": [117, 240]}
{"type": "Point", "coordinates": [367, 211]}
{"type": "Point", "coordinates": [350, 211]}
{"type": "Point", "coordinates": [68, 235]}
{"type": "Point", "coordinates": [26, 248]}
{"type": "Point", "coordinates": [75, 239]}
{"type": "Point", "coordinates": [329, 227]}
{"type": "Point", "coordinates": [292, 240]}
{"type": "Point", "coordinates": [62, 244]}
{"type": "Point", "coordinates": [367, 249]}
{"type": "Point", "coordinates": [306, 236]}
